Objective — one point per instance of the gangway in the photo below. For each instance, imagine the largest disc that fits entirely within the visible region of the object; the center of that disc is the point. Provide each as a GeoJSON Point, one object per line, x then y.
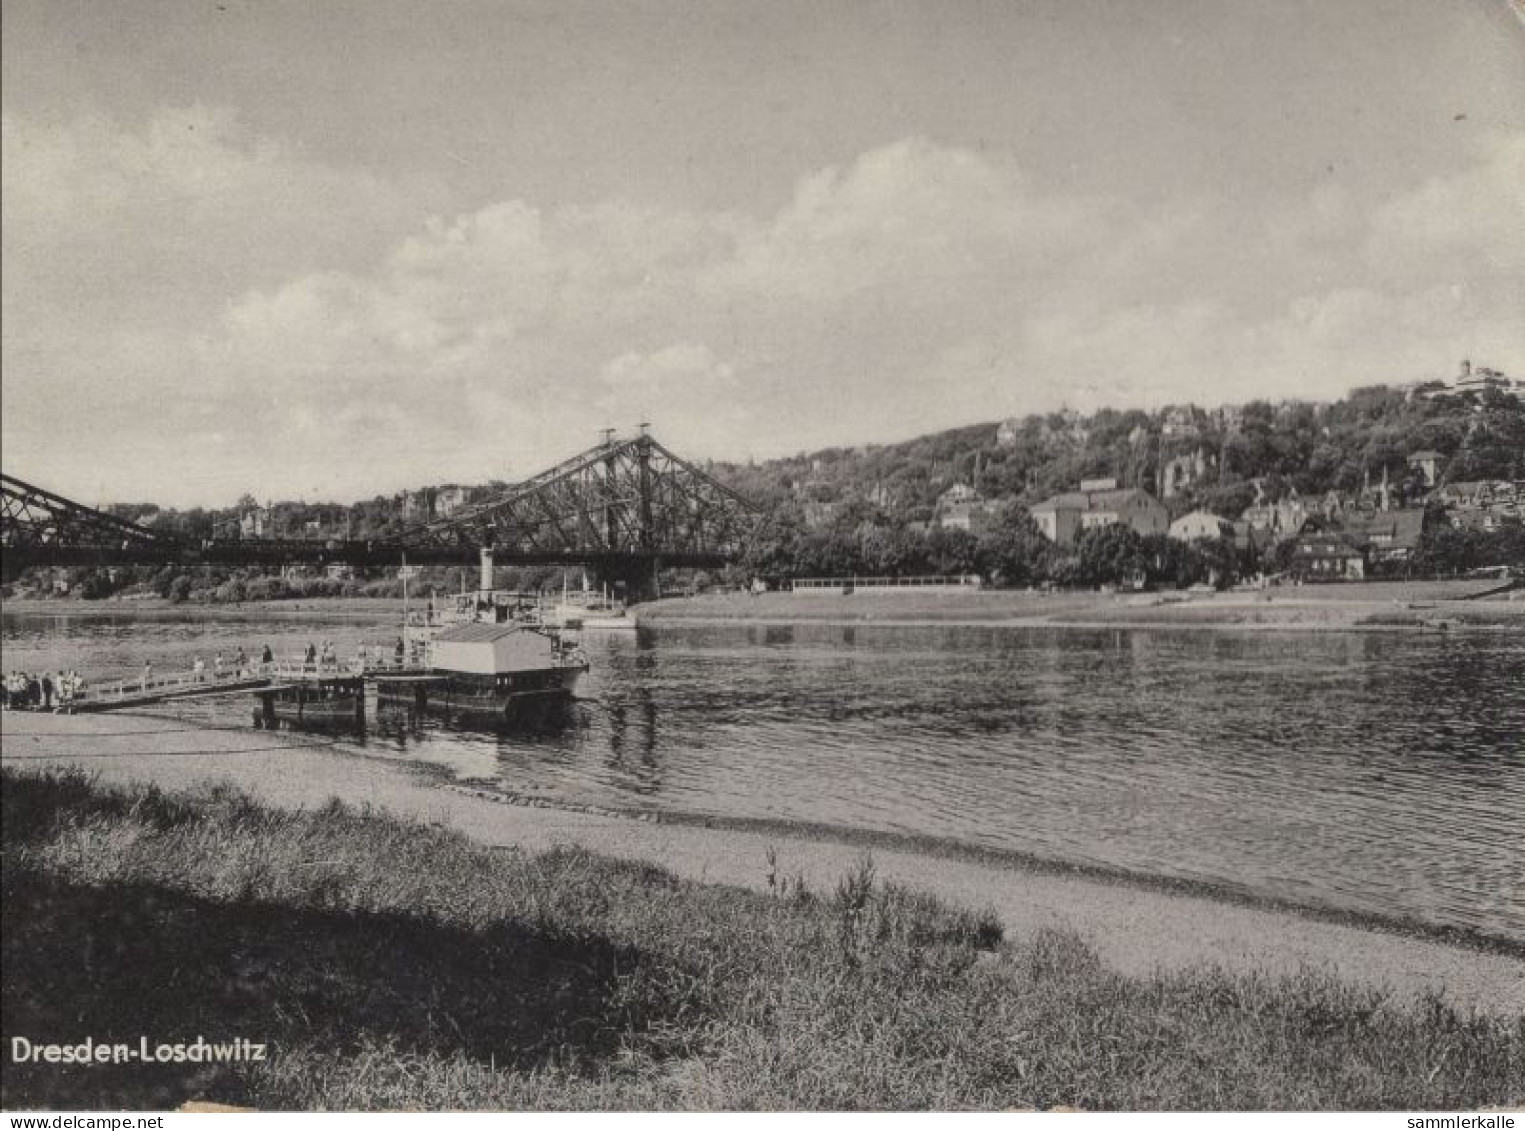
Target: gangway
{"type": "Point", "coordinates": [128, 693]}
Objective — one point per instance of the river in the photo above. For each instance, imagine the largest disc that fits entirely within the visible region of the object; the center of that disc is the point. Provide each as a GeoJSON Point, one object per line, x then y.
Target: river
{"type": "Point", "coordinates": [1376, 773]}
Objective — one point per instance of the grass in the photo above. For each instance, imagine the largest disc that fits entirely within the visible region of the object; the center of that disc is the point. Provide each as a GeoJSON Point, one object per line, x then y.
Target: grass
{"type": "Point", "coordinates": [393, 965]}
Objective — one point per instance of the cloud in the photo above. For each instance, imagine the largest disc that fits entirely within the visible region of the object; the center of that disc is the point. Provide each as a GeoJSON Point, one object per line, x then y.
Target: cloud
{"type": "Point", "coordinates": [916, 286]}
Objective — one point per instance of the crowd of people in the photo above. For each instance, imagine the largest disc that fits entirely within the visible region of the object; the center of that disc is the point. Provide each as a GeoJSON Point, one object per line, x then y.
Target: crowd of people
{"type": "Point", "coordinates": [45, 691]}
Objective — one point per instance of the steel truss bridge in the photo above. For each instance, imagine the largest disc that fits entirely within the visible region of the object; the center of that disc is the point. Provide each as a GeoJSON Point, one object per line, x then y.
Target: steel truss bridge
{"type": "Point", "coordinates": [624, 508]}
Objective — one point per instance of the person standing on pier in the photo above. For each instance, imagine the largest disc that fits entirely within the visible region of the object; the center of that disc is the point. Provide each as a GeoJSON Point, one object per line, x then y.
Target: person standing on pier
{"type": "Point", "coordinates": [266, 658]}
{"type": "Point", "coordinates": [148, 675]}
{"type": "Point", "coordinates": [217, 666]}
{"type": "Point", "coordinates": [47, 692]}
{"type": "Point", "coordinates": [240, 663]}
{"type": "Point", "coordinates": [199, 670]}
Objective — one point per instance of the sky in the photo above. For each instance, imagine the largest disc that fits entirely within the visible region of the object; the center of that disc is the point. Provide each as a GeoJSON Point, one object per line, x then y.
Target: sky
{"type": "Point", "coordinates": [326, 250]}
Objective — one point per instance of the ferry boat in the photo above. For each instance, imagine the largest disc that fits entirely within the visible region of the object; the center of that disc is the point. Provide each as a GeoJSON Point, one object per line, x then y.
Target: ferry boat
{"type": "Point", "coordinates": [592, 611]}
{"type": "Point", "coordinates": [489, 653]}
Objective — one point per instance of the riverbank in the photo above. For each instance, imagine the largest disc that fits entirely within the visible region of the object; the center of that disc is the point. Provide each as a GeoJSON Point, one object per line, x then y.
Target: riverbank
{"type": "Point", "coordinates": [1418, 605]}
{"type": "Point", "coordinates": [382, 963]}
{"type": "Point", "coordinates": [1136, 928]}
{"type": "Point", "coordinates": [385, 609]}
{"type": "Point", "coordinates": [1423, 606]}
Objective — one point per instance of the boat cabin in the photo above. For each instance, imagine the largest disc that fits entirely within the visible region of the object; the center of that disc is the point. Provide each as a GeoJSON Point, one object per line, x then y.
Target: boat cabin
{"type": "Point", "coordinates": [490, 649]}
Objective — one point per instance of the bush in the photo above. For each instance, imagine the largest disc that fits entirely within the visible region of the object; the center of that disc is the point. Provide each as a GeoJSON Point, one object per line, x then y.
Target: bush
{"type": "Point", "coordinates": [97, 586]}
{"type": "Point", "coordinates": [230, 592]}
{"type": "Point", "coordinates": [266, 589]}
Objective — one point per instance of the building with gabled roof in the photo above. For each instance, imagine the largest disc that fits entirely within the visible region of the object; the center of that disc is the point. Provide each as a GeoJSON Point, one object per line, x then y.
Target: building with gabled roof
{"type": "Point", "coordinates": [1201, 525]}
{"type": "Point", "coordinates": [1327, 554]}
{"type": "Point", "coordinates": [1389, 537]}
{"type": "Point", "coordinates": [1063, 517]}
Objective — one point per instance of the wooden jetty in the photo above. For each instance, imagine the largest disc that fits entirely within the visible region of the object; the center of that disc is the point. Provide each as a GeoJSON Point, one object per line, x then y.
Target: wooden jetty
{"type": "Point", "coordinates": [307, 686]}
{"type": "Point", "coordinates": [140, 693]}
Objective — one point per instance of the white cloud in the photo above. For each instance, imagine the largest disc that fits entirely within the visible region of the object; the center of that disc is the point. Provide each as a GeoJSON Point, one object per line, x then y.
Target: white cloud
{"type": "Point", "coordinates": [915, 287]}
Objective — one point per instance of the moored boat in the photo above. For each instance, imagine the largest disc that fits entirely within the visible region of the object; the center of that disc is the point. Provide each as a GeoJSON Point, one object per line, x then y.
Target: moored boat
{"type": "Point", "coordinates": [588, 609]}
{"type": "Point", "coordinates": [489, 653]}
{"type": "Point", "coordinates": [312, 698]}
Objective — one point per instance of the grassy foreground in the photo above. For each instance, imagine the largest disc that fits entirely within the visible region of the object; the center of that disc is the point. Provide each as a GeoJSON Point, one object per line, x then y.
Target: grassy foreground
{"type": "Point", "coordinates": [396, 965]}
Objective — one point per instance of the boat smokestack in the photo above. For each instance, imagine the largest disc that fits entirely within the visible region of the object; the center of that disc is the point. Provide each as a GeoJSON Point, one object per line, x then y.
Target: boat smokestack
{"type": "Point", "coordinates": [486, 583]}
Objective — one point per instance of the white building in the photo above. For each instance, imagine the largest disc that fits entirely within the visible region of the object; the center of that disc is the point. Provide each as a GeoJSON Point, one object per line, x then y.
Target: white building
{"type": "Point", "coordinates": [1201, 525]}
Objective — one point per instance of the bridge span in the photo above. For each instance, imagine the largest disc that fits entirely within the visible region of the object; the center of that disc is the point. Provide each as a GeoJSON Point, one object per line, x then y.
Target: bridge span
{"type": "Point", "coordinates": [623, 509]}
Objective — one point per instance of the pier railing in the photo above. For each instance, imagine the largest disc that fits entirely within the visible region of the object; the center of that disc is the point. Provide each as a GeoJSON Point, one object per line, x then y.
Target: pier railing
{"type": "Point", "coordinates": [158, 686]}
{"type": "Point", "coordinates": [233, 678]}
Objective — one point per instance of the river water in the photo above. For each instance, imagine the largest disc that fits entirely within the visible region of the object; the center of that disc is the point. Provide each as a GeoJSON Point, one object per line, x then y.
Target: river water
{"type": "Point", "coordinates": [1380, 773]}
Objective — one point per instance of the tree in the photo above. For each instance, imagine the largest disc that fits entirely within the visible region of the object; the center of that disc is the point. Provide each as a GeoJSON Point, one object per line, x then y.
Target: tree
{"type": "Point", "coordinates": [180, 589]}
{"type": "Point", "coordinates": [97, 585]}
{"type": "Point", "coordinates": [1110, 555]}
{"type": "Point", "coordinates": [951, 550]}
{"type": "Point", "coordinates": [1012, 550]}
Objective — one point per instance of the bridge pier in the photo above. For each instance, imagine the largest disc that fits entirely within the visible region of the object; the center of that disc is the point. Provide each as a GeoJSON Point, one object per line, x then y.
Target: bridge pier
{"type": "Point", "coordinates": [632, 580]}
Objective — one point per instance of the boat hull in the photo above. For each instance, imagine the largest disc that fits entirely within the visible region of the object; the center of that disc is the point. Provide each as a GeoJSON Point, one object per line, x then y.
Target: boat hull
{"type": "Point", "coordinates": [504, 695]}
{"type": "Point", "coordinates": [322, 701]}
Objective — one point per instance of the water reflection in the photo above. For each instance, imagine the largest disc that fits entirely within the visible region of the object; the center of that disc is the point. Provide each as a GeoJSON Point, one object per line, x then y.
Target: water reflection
{"type": "Point", "coordinates": [1375, 772]}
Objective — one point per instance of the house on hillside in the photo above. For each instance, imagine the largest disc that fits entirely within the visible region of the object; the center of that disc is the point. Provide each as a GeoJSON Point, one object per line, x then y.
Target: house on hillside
{"type": "Point", "coordinates": [1390, 538]}
{"type": "Point", "coordinates": [1063, 517]}
{"type": "Point", "coordinates": [1327, 555]}
{"type": "Point", "coordinates": [1007, 432]}
{"type": "Point", "coordinates": [973, 517]}
{"type": "Point", "coordinates": [1280, 520]}
{"type": "Point", "coordinates": [1470, 380]}
{"type": "Point", "coordinates": [1201, 525]}
{"type": "Point", "coordinates": [416, 506]}
{"type": "Point", "coordinates": [956, 494]}
{"type": "Point", "coordinates": [1065, 428]}
{"type": "Point", "coordinates": [1179, 420]}
{"type": "Point", "coordinates": [1429, 464]}
{"type": "Point", "coordinates": [1184, 471]}
{"type": "Point", "coordinates": [1482, 378]}
{"type": "Point", "coordinates": [449, 499]}
{"type": "Point", "coordinates": [1482, 504]}
{"type": "Point", "coordinates": [254, 522]}
{"type": "Point", "coordinates": [961, 507]}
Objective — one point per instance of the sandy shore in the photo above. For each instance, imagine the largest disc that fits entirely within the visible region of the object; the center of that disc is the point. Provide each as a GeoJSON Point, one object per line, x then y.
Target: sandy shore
{"type": "Point", "coordinates": [1425, 606]}
{"type": "Point", "coordinates": [1381, 606]}
{"type": "Point", "coordinates": [1136, 929]}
